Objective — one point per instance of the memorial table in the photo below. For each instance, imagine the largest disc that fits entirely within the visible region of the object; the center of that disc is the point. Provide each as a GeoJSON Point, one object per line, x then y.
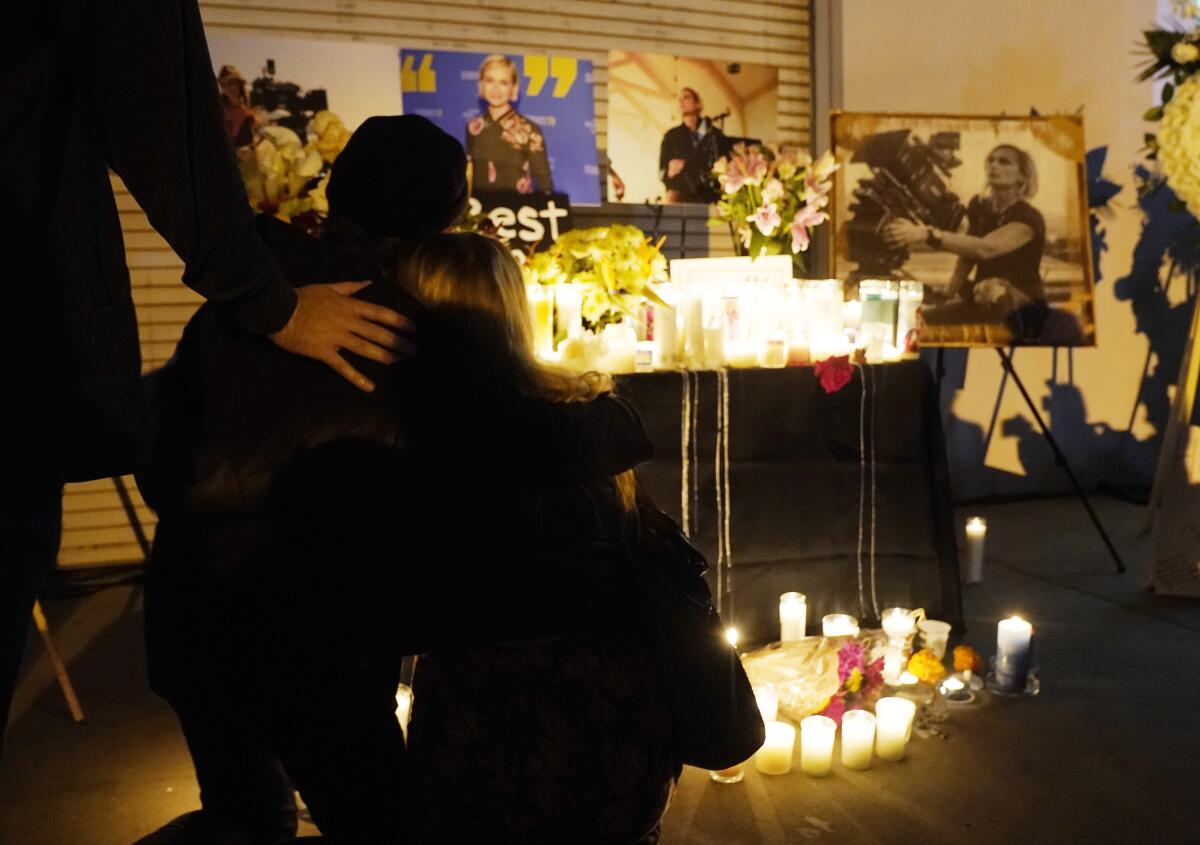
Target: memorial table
{"type": "Point", "coordinates": [842, 496]}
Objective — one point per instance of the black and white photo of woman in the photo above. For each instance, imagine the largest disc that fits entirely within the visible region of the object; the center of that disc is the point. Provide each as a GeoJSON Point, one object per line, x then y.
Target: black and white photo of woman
{"type": "Point", "coordinates": [997, 275]}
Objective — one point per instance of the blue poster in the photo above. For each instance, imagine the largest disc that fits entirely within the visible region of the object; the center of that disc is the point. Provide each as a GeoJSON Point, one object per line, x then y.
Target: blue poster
{"type": "Point", "coordinates": [528, 122]}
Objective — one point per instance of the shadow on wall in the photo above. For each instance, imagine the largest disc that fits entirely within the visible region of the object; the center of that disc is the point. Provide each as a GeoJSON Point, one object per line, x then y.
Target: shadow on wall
{"type": "Point", "coordinates": [1161, 288]}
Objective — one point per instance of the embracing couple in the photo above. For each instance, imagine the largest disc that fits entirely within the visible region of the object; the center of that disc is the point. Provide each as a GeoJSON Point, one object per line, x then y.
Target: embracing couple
{"type": "Point", "coordinates": [476, 508]}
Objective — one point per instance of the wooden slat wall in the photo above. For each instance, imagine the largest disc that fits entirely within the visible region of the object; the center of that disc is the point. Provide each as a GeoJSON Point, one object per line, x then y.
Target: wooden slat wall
{"type": "Point", "coordinates": [95, 530]}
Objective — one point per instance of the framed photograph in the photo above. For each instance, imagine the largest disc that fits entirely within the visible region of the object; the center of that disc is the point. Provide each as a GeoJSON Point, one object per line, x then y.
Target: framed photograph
{"type": "Point", "coordinates": [989, 213]}
{"type": "Point", "coordinates": [670, 118]}
{"type": "Point", "coordinates": [527, 121]}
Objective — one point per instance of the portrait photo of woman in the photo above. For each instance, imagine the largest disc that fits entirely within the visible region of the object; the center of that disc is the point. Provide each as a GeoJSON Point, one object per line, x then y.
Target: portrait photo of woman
{"type": "Point", "coordinates": [988, 213]}
{"type": "Point", "coordinates": [507, 150]}
{"type": "Point", "coordinates": [997, 274]}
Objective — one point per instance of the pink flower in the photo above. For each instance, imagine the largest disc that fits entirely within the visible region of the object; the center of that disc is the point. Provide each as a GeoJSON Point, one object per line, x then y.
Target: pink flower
{"type": "Point", "coordinates": [773, 192]}
{"type": "Point", "coordinates": [743, 169]}
{"type": "Point", "coordinates": [766, 218]}
{"type": "Point", "coordinates": [834, 374]}
{"type": "Point", "coordinates": [805, 218]}
{"type": "Point", "coordinates": [836, 708]}
{"type": "Point", "coordinates": [816, 192]}
{"type": "Point", "coordinates": [850, 657]}
{"type": "Point", "coordinates": [874, 676]}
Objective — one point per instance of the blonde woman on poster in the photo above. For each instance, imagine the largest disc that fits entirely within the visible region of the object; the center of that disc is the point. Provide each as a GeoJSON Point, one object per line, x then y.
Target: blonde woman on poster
{"type": "Point", "coordinates": [507, 150]}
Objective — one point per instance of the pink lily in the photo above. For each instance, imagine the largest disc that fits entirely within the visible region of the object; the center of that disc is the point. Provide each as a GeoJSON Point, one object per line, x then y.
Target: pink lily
{"type": "Point", "coordinates": [805, 218]}
{"type": "Point", "coordinates": [766, 218]}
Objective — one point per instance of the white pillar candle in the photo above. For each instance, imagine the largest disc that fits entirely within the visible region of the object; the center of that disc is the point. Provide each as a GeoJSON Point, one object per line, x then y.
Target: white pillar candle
{"type": "Point", "coordinates": [773, 351]}
{"type": "Point", "coordinates": [1014, 654]}
{"type": "Point", "coordinates": [666, 338]}
{"type": "Point", "coordinates": [768, 702]}
{"type": "Point", "coordinates": [793, 617]}
{"type": "Point", "coordinates": [898, 624]}
{"type": "Point", "coordinates": [976, 533]}
{"type": "Point", "coordinates": [839, 625]}
{"type": "Point", "coordinates": [893, 726]}
{"type": "Point", "coordinates": [541, 316]}
{"type": "Point", "coordinates": [816, 745]}
{"type": "Point", "coordinates": [693, 329]}
{"type": "Point", "coordinates": [404, 699]}
{"type": "Point", "coordinates": [858, 738]}
{"type": "Point", "coordinates": [775, 756]}
{"type": "Point", "coordinates": [714, 346]}
{"type": "Point", "coordinates": [741, 354]}
{"type": "Point", "coordinates": [893, 664]}
{"type": "Point", "coordinates": [569, 299]}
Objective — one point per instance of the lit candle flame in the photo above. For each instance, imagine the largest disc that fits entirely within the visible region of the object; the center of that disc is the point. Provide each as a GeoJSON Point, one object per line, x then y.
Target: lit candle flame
{"type": "Point", "coordinates": [909, 678]}
{"type": "Point", "coordinates": [952, 685]}
{"type": "Point", "coordinates": [731, 634]}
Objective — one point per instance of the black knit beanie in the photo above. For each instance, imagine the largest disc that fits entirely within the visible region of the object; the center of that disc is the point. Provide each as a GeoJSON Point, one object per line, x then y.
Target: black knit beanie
{"type": "Point", "coordinates": [399, 176]}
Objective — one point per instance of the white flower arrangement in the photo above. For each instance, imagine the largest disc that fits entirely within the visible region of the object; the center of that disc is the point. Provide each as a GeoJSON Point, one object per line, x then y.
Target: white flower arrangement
{"type": "Point", "coordinates": [1179, 143]}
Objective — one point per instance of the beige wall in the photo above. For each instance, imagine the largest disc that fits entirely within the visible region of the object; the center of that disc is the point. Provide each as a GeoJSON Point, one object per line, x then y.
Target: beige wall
{"type": "Point", "coordinates": [1006, 56]}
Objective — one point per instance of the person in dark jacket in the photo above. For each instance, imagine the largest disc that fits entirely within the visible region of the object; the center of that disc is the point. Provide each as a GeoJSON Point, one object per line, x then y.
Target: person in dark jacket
{"type": "Point", "coordinates": [123, 86]}
{"type": "Point", "coordinates": [560, 732]}
{"type": "Point", "coordinates": [280, 595]}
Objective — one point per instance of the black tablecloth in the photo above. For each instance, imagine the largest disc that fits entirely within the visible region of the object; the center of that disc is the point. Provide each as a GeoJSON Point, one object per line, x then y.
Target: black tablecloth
{"type": "Point", "coordinates": [802, 468]}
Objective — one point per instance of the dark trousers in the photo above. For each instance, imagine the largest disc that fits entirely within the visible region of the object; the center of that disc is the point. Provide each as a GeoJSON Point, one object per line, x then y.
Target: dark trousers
{"type": "Point", "coordinates": [30, 526]}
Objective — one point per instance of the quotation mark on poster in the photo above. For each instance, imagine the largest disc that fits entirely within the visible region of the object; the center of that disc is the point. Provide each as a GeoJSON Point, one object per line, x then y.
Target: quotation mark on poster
{"type": "Point", "coordinates": [423, 79]}
{"type": "Point", "coordinates": [538, 69]}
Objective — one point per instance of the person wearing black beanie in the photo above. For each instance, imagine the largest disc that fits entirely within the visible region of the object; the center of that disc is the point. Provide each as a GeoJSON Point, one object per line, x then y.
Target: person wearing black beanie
{"type": "Point", "coordinates": [387, 163]}
{"type": "Point", "coordinates": [272, 621]}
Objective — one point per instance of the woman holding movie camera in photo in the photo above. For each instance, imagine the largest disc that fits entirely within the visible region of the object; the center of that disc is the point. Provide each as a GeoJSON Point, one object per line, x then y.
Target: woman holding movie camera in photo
{"type": "Point", "coordinates": [1003, 243]}
{"type": "Point", "coordinates": [507, 150]}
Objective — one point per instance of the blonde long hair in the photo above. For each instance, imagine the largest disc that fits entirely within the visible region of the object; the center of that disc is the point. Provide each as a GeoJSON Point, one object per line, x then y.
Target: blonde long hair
{"type": "Point", "coordinates": [476, 280]}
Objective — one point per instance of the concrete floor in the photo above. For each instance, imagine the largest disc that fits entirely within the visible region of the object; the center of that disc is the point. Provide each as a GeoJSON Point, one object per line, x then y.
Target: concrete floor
{"type": "Point", "coordinates": [1109, 752]}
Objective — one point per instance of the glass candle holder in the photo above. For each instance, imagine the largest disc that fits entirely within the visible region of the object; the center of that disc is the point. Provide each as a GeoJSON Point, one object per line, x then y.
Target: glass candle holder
{"type": "Point", "coordinates": [816, 745]}
{"type": "Point", "coordinates": [858, 739]}
{"type": "Point", "coordinates": [541, 316]}
{"type": "Point", "coordinates": [775, 756]}
{"type": "Point", "coordinates": [893, 726]}
{"type": "Point", "coordinates": [793, 617]}
{"type": "Point", "coordinates": [839, 625]}
{"type": "Point", "coordinates": [733, 774]}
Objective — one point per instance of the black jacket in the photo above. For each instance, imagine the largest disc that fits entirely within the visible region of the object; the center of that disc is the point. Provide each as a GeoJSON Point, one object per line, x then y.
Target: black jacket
{"type": "Point", "coordinates": [443, 507]}
{"type": "Point", "coordinates": [124, 85]}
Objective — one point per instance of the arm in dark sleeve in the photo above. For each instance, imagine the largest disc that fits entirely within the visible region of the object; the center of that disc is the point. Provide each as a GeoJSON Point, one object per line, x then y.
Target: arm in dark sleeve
{"type": "Point", "coordinates": [539, 166]}
{"type": "Point", "coordinates": [159, 115]}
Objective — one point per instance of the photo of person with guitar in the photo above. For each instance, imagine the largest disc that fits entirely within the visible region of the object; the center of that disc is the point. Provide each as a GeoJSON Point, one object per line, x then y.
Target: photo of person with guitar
{"type": "Point", "coordinates": [688, 153]}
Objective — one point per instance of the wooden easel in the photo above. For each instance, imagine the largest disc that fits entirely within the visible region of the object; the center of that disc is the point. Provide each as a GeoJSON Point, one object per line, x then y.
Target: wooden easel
{"type": "Point", "coordinates": [60, 669]}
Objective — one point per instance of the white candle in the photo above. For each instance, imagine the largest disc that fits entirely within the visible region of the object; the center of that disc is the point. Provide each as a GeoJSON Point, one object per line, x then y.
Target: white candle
{"type": "Point", "coordinates": [666, 338]}
{"type": "Point", "coordinates": [741, 354]}
{"type": "Point", "coordinates": [935, 635]}
{"type": "Point", "coordinates": [714, 346]}
{"type": "Point", "coordinates": [1014, 653]}
{"type": "Point", "coordinates": [976, 533]}
{"type": "Point", "coordinates": [541, 315]}
{"type": "Point", "coordinates": [793, 617]}
{"type": "Point", "coordinates": [768, 702]}
{"type": "Point", "coordinates": [858, 738]}
{"type": "Point", "coordinates": [569, 299]}
{"type": "Point", "coordinates": [893, 726]}
{"type": "Point", "coordinates": [816, 745]}
{"type": "Point", "coordinates": [646, 352]}
{"type": "Point", "coordinates": [898, 624]}
{"type": "Point", "coordinates": [773, 352]}
{"type": "Point", "coordinates": [404, 699]}
{"type": "Point", "coordinates": [839, 625]}
{"type": "Point", "coordinates": [775, 756]}
{"type": "Point", "coordinates": [693, 329]}
{"type": "Point", "coordinates": [893, 664]}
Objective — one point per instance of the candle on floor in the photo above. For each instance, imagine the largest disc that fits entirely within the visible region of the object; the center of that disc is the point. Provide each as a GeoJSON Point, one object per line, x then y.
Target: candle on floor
{"type": "Point", "coordinates": [1014, 654]}
{"type": "Point", "coordinates": [793, 616]}
{"type": "Point", "coordinates": [893, 664]}
{"type": "Point", "coordinates": [858, 739]}
{"type": "Point", "coordinates": [404, 699]}
{"type": "Point", "coordinates": [976, 534]}
{"type": "Point", "coordinates": [893, 726]}
{"type": "Point", "coordinates": [816, 745]}
{"type": "Point", "coordinates": [768, 702]}
{"type": "Point", "coordinates": [899, 624]}
{"type": "Point", "coordinates": [775, 756]}
{"type": "Point", "coordinates": [733, 774]}
{"type": "Point", "coordinates": [839, 625]}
